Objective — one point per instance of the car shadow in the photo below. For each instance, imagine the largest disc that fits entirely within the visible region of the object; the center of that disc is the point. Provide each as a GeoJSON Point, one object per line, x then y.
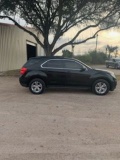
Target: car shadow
{"type": "Point", "coordinates": [67, 90]}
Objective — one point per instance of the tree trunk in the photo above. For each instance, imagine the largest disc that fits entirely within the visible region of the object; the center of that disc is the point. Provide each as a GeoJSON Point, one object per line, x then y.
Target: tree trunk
{"type": "Point", "coordinates": [109, 55]}
{"type": "Point", "coordinates": [47, 46]}
{"type": "Point", "coordinates": [48, 50]}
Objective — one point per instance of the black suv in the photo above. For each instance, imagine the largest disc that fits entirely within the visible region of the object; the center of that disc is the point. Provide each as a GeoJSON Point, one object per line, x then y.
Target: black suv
{"type": "Point", "coordinates": [42, 72]}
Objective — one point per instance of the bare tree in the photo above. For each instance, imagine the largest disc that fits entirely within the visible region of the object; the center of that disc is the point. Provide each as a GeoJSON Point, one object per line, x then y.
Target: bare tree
{"type": "Point", "coordinates": [56, 17]}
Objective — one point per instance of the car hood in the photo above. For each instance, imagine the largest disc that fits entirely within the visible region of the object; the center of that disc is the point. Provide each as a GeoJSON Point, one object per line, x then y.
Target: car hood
{"type": "Point", "coordinates": [103, 70]}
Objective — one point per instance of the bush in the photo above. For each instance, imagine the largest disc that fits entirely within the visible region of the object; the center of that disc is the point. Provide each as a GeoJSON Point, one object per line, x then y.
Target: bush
{"type": "Point", "coordinates": [67, 53]}
{"type": "Point", "coordinates": [93, 57]}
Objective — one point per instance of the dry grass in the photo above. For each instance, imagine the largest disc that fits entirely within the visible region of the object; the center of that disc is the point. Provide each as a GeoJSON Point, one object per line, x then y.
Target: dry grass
{"type": "Point", "coordinates": [12, 73]}
{"type": "Point", "coordinates": [118, 77]}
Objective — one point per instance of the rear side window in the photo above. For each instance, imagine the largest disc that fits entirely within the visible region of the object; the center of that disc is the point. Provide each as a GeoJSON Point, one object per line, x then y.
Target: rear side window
{"type": "Point", "coordinates": [53, 64]}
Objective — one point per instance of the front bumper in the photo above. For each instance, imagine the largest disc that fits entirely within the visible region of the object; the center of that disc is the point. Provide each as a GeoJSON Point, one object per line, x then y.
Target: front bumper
{"type": "Point", "coordinates": [113, 84]}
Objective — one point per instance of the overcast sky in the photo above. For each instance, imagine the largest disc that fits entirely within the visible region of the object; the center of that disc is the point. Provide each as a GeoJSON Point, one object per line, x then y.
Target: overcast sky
{"type": "Point", "coordinates": [110, 37]}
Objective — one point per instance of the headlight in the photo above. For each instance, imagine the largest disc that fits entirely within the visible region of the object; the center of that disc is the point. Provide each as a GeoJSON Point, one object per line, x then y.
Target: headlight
{"type": "Point", "coordinates": [112, 74]}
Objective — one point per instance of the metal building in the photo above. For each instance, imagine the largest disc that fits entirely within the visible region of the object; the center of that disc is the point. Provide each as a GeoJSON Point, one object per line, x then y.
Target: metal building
{"type": "Point", "coordinates": [16, 47]}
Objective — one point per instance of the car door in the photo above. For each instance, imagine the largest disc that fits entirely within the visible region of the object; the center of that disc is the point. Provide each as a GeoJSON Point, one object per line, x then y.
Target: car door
{"type": "Point", "coordinates": [77, 74]}
{"type": "Point", "coordinates": [55, 73]}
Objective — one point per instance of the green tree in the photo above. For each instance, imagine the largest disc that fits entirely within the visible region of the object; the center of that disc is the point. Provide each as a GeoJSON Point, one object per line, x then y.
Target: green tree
{"type": "Point", "coordinates": [97, 57]}
{"type": "Point", "coordinates": [67, 53]}
{"type": "Point", "coordinates": [86, 58]}
{"type": "Point", "coordinates": [93, 57]}
{"type": "Point", "coordinates": [56, 17]}
{"type": "Point", "coordinates": [111, 49]}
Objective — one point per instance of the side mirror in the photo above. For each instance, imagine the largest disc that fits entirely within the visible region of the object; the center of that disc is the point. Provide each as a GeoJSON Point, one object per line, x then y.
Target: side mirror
{"type": "Point", "coordinates": [82, 69]}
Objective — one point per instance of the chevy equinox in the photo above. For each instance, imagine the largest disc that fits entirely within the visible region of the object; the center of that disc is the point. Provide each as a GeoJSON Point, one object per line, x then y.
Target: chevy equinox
{"type": "Point", "coordinates": [41, 72]}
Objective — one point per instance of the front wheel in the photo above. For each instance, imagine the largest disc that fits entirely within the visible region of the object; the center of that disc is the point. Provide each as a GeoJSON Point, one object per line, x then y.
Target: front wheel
{"type": "Point", "coordinates": [37, 86]}
{"type": "Point", "coordinates": [100, 87]}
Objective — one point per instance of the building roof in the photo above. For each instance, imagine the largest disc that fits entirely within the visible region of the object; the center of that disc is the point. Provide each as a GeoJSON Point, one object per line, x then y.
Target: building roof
{"type": "Point", "coordinates": [12, 25]}
{"type": "Point", "coordinates": [6, 24]}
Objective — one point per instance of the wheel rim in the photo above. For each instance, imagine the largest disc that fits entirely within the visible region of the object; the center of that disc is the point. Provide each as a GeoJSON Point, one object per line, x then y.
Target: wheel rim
{"type": "Point", "coordinates": [36, 87]}
{"type": "Point", "coordinates": [101, 88]}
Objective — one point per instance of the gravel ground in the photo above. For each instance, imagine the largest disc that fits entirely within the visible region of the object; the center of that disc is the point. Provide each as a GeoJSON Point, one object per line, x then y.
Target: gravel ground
{"type": "Point", "coordinates": [58, 125]}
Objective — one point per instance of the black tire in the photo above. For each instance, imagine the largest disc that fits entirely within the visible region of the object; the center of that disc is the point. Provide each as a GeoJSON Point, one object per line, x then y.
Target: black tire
{"type": "Point", "coordinates": [100, 87]}
{"type": "Point", "coordinates": [37, 86]}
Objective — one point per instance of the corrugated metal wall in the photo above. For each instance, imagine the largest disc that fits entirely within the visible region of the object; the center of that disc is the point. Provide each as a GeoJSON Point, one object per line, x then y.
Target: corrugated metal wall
{"type": "Point", "coordinates": [13, 53]}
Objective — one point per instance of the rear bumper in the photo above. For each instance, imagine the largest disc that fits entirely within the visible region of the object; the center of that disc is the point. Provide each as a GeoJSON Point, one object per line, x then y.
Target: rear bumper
{"type": "Point", "coordinates": [23, 81]}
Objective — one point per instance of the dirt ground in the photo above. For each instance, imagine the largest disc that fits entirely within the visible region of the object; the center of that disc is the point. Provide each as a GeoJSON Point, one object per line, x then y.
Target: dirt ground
{"type": "Point", "coordinates": [58, 125]}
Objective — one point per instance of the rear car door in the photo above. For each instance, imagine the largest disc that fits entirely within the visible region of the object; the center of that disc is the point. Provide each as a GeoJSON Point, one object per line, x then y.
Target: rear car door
{"type": "Point", "coordinates": [55, 73]}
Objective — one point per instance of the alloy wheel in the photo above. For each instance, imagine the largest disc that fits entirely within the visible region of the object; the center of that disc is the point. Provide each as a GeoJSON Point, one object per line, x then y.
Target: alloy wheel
{"type": "Point", "coordinates": [101, 88]}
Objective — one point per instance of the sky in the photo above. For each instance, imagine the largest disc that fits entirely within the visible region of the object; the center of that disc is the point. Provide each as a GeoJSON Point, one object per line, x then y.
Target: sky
{"type": "Point", "coordinates": [109, 37]}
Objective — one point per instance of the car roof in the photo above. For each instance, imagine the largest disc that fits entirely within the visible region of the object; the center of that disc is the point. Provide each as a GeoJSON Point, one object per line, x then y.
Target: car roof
{"type": "Point", "coordinates": [45, 58]}
{"type": "Point", "coordinates": [51, 57]}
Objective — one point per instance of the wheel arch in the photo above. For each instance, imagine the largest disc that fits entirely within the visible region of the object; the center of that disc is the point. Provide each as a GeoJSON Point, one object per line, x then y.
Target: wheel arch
{"type": "Point", "coordinates": [100, 78]}
{"type": "Point", "coordinates": [33, 75]}
{"type": "Point", "coordinates": [39, 77]}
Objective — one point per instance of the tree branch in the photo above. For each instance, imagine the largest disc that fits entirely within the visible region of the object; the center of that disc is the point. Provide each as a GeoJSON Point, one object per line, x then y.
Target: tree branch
{"type": "Point", "coordinates": [80, 42]}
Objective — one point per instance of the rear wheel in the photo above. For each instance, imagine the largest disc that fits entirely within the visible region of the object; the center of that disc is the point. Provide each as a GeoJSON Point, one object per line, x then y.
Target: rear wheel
{"type": "Point", "coordinates": [100, 87]}
{"type": "Point", "coordinates": [37, 86]}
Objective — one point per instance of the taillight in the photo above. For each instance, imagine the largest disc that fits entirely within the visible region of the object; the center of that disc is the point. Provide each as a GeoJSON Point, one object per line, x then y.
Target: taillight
{"type": "Point", "coordinates": [23, 71]}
